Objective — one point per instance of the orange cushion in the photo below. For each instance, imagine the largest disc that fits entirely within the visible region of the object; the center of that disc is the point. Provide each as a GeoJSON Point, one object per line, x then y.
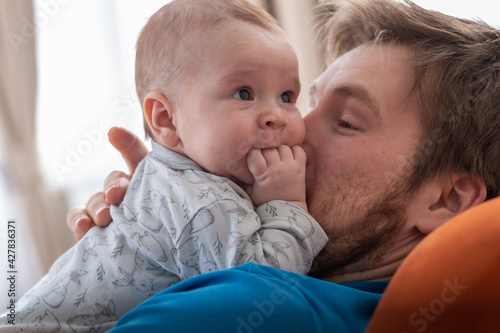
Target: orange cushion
{"type": "Point", "coordinates": [450, 282]}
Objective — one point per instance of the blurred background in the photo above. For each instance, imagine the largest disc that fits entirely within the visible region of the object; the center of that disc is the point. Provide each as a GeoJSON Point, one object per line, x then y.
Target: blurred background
{"type": "Point", "coordinates": [67, 76]}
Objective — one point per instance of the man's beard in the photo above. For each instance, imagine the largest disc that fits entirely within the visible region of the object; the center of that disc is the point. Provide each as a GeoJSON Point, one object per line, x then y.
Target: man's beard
{"type": "Point", "coordinates": [359, 244]}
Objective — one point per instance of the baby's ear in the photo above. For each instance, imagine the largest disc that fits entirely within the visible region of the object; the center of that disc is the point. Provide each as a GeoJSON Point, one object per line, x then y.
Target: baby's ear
{"type": "Point", "coordinates": [159, 114]}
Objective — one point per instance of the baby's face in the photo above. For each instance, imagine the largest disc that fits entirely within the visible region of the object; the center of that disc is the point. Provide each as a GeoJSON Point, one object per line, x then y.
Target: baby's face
{"type": "Point", "coordinates": [243, 98]}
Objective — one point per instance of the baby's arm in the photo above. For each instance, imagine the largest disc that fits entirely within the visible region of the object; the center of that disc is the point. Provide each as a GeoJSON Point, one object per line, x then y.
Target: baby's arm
{"type": "Point", "coordinates": [279, 174]}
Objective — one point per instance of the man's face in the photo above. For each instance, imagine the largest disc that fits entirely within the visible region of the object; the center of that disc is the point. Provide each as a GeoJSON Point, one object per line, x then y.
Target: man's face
{"type": "Point", "coordinates": [362, 130]}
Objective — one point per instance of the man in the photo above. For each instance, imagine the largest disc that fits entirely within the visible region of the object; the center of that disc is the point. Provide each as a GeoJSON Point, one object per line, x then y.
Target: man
{"type": "Point", "coordinates": [402, 134]}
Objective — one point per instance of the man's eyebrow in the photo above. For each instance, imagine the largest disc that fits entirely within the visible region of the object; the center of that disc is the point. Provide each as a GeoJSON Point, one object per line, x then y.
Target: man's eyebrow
{"type": "Point", "coordinates": [362, 95]}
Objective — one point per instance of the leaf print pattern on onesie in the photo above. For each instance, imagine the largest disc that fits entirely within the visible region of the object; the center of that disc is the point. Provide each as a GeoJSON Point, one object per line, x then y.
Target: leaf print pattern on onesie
{"type": "Point", "coordinates": [239, 242]}
{"type": "Point", "coordinates": [155, 210]}
{"type": "Point", "coordinates": [46, 323]}
{"type": "Point", "coordinates": [193, 256]}
{"type": "Point", "coordinates": [140, 277]}
{"type": "Point", "coordinates": [207, 265]}
{"type": "Point", "coordinates": [202, 220]}
{"type": "Point", "coordinates": [30, 308]}
{"type": "Point", "coordinates": [190, 253]}
{"type": "Point", "coordinates": [93, 321]}
{"type": "Point", "coordinates": [277, 251]}
{"type": "Point", "coordinates": [239, 212]}
{"type": "Point", "coordinates": [90, 243]}
{"type": "Point", "coordinates": [56, 296]}
{"type": "Point", "coordinates": [302, 227]}
{"type": "Point", "coordinates": [151, 245]}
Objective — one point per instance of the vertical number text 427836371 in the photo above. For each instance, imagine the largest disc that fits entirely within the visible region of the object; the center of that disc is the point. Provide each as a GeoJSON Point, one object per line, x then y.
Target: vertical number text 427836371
{"type": "Point", "coordinates": [11, 270]}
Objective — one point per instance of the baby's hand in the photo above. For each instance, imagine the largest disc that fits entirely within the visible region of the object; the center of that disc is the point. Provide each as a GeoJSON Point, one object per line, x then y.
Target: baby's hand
{"type": "Point", "coordinates": [279, 174]}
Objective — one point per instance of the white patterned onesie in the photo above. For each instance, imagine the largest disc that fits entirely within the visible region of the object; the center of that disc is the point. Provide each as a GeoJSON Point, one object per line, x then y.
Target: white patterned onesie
{"type": "Point", "coordinates": [175, 222]}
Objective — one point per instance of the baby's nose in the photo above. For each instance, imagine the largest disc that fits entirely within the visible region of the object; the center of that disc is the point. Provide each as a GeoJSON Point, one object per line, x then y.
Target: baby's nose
{"type": "Point", "coordinates": [274, 119]}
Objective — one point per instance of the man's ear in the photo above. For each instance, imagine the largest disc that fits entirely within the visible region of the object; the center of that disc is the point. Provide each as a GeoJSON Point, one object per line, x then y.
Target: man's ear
{"type": "Point", "coordinates": [448, 197]}
{"type": "Point", "coordinates": [159, 114]}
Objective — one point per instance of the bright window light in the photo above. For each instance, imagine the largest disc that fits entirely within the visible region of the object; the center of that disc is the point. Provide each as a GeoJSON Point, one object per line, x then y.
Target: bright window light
{"type": "Point", "coordinates": [86, 52]}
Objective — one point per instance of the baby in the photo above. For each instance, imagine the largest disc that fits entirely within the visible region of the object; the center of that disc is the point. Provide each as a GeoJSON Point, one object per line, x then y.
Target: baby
{"type": "Point", "coordinates": [218, 81]}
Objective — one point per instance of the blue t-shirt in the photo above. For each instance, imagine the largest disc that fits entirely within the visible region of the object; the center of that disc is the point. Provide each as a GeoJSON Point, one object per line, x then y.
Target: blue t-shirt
{"type": "Point", "coordinates": [252, 298]}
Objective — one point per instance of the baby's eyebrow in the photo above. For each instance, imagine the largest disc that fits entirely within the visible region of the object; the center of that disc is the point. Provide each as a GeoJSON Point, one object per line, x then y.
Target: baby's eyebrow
{"type": "Point", "coordinates": [238, 75]}
{"type": "Point", "coordinates": [241, 75]}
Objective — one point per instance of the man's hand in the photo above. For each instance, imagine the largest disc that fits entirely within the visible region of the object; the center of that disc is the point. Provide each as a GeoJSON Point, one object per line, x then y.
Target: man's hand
{"type": "Point", "coordinates": [279, 174]}
{"type": "Point", "coordinates": [96, 211]}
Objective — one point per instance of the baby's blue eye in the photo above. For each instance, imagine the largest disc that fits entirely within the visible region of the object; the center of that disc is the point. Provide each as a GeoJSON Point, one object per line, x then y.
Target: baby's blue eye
{"type": "Point", "coordinates": [243, 94]}
{"type": "Point", "coordinates": [286, 97]}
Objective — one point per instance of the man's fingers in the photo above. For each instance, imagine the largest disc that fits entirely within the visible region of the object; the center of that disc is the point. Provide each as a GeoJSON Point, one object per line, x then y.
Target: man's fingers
{"type": "Point", "coordinates": [79, 222]}
{"type": "Point", "coordinates": [130, 146]}
{"type": "Point", "coordinates": [96, 212]}
{"type": "Point", "coordinates": [115, 186]}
